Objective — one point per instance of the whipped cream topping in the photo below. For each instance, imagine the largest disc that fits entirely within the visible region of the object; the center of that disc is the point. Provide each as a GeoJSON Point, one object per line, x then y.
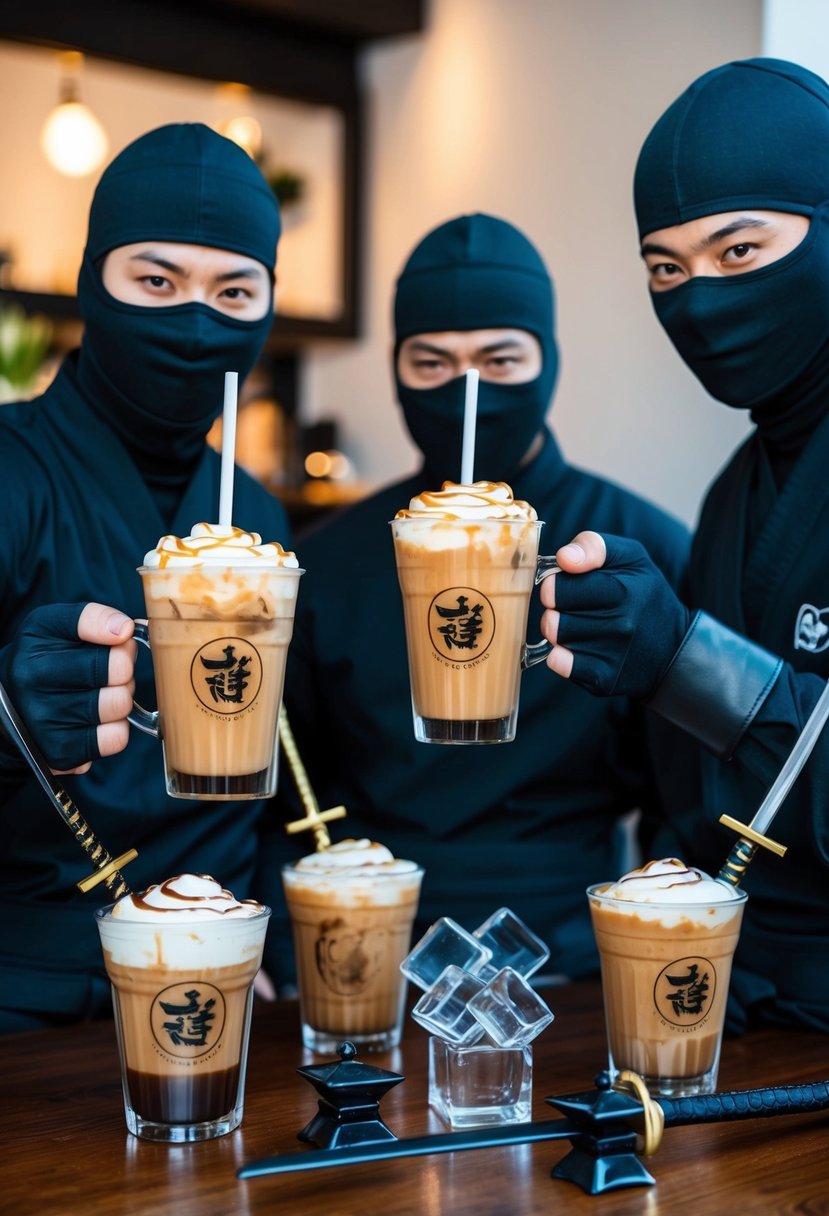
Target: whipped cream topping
{"type": "Point", "coordinates": [187, 897]}
{"type": "Point", "coordinates": [670, 881]}
{"type": "Point", "coordinates": [349, 858]}
{"type": "Point", "coordinates": [481, 500]}
{"type": "Point", "coordinates": [218, 545]}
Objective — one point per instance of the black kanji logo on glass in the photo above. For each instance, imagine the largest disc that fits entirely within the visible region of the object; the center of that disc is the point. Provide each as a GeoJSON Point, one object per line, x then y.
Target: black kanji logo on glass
{"type": "Point", "coordinates": [229, 676]}
{"type": "Point", "coordinates": [461, 623]}
{"type": "Point", "coordinates": [187, 1019]}
{"type": "Point", "coordinates": [226, 675]}
{"type": "Point", "coordinates": [189, 1025]}
{"type": "Point", "coordinates": [684, 990]}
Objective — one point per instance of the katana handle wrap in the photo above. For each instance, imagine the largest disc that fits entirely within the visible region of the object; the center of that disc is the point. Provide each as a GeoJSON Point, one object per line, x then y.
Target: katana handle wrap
{"type": "Point", "coordinates": [746, 1104]}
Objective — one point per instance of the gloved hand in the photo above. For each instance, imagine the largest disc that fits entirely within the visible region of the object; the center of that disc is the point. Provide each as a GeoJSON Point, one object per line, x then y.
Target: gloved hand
{"type": "Point", "coordinates": [614, 619]}
{"type": "Point", "coordinates": [69, 674]}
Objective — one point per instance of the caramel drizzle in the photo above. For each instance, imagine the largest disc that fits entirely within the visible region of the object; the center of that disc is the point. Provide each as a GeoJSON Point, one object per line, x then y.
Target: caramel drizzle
{"type": "Point", "coordinates": [482, 493]}
{"type": "Point", "coordinates": [197, 903]}
{"type": "Point", "coordinates": [247, 542]}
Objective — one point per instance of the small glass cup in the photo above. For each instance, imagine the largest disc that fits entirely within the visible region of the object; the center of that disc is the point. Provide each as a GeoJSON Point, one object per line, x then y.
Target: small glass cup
{"type": "Point", "coordinates": [665, 974]}
{"type": "Point", "coordinates": [351, 932]}
{"type": "Point", "coordinates": [182, 996]}
{"type": "Point", "coordinates": [466, 587]}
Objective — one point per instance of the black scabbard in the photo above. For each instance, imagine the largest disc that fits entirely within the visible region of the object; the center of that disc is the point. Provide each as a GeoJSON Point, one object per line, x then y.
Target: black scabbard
{"type": "Point", "coordinates": [746, 1104]}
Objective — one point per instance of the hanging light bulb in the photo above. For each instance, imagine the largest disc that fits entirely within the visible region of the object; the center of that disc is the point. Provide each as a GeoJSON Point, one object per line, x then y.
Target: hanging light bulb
{"type": "Point", "coordinates": [242, 128]}
{"type": "Point", "coordinates": [245, 131]}
{"type": "Point", "coordinates": [72, 139]}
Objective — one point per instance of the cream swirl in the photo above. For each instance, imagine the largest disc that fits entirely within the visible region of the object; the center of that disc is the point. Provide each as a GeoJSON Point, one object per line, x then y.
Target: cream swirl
{"type": "Point", "coordinates": [187, 896]}
{"type": "Point", "coordinates": [218, 545]}
{"type": "Point", "coordinates": [480, 500]}
{"type": "Point", "coordinates": [355, 857]}
{"type": "Point", "coordinates": [669, 881]}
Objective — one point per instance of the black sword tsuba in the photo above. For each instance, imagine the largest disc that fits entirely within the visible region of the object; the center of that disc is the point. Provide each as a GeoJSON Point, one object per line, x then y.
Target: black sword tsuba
{"type": "Point", "coordinates": [350, 1094]}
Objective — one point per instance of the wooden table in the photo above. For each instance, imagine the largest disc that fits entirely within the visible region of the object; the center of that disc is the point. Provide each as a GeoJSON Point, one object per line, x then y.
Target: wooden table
{"type": "Point", "coordinates": [66, 1152]}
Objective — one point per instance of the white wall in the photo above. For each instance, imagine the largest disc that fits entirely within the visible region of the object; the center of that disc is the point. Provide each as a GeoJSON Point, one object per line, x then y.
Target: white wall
{"type": "Point", "coordinates": [798, 30]}
{"type": "Point", "coordinates": [535, 110]}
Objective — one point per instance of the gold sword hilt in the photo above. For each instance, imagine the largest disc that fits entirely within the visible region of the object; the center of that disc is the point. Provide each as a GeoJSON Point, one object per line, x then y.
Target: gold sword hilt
{"type": "Point", "coordinates": [744, 849]}
{"type": "Point", "coordinates": [315, 820]}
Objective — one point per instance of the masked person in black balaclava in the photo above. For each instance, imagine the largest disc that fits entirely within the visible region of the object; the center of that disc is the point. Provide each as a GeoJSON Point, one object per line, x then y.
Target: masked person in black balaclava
{"type": "Point", "coordinates": [175, 289]}
{"type": "Point", "coordinates": [527, 825]}
{"type": "Point", "coordinates": [732, 199]}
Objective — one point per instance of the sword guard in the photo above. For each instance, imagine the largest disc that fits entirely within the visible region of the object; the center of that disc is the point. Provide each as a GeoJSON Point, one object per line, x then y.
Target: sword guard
{"type": "Point", "coordinates": [107, 871]}
{"type": "Point", "coordinates": [315, 819]}
{"type": "Point", "coordinates": [748, 833]}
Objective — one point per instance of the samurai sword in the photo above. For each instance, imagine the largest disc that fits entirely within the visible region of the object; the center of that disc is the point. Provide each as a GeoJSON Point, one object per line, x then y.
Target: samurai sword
{"type": "Point", "coordinates": [593, 1121]}
{"type": "Point", "coordinates": [107, 867]}
{"type": "Point", "coordinates": [752, 835]}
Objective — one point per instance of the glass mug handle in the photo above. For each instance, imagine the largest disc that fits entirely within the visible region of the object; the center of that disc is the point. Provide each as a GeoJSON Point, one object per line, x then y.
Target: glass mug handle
{"type": "Point", "coordinates": [536, 652]}
{"type": "Point", "coordinates": [144, 719]}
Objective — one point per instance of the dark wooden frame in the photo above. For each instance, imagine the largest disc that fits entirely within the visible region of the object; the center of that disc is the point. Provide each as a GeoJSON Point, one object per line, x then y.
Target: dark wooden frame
{"type": "Point", "coordinates": [214, 42]}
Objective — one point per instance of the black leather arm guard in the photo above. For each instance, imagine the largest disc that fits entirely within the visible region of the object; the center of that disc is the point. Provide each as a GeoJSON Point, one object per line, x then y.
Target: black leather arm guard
{"type": "Point", "coordinates": [715, 685]}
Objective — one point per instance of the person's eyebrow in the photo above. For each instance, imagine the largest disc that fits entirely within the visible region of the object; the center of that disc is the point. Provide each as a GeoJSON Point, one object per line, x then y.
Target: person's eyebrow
{"type": "Point", "coordinates": [500, 344]}
{"type": "Point", "coordinates": [491, 347]}
{"type": "Point", "coordinates": [429, 348]}
{"type": "Point", "coordinates": [729, 229]}
{"type": "Point", "coordinates": [157, 260]}
{"type": "Point", "coordinates": [244, 272]}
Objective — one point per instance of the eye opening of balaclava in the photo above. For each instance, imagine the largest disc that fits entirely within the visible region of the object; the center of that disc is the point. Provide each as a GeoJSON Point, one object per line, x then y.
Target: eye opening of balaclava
{"type": "Point", "coordinates": [476, 272]}
{"type": "Point", "coordinates": [156, 373]}
{"type": "Point", "coordinates": [750, 135]}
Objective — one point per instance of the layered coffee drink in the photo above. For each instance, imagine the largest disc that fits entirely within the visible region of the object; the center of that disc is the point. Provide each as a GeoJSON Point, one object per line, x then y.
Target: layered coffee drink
{"type": "Point", "coordinates": [352, 907]}
{"type": "Point", "coordinates": [220, 608]}
{"type": "Point", "coordinates": [466, 560]}
{"type": "Point", "coordinates": [181, 958]}
{"type": "Point", "coordinates": [666, 935]}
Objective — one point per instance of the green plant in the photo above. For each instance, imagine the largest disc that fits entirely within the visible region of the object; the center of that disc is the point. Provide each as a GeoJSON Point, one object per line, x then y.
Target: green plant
{"type": "Point", "coordinates": [24, 341]}
{"type": "Point", "coordinates": [287, 186]}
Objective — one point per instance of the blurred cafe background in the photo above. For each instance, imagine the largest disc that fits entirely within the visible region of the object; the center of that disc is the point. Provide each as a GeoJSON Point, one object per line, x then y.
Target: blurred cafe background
{"type": "Point", "coordinates": [374, 120]}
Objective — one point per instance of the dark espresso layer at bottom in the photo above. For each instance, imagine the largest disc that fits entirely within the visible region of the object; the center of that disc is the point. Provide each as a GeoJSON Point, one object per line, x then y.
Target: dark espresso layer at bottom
{"type": "Point", "coordinates": [189, 785]}
{"type": "Point", "coordinates": [183, 1099]}
{"type": "Point", "coordinates": [476, 730]}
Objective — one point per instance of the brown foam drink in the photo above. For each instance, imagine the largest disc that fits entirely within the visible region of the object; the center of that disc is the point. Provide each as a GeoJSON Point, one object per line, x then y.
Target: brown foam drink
{"type": "Point", "coordinates": [181, 958]}
{"type": "Point", "coordinates": [466, 560]}
{"type": "Point", "coordinates": [220, 608]}
{"type": "Point", "coordinates": [352, 907]}
{"type": "Point", "coordinates": [666, 935]}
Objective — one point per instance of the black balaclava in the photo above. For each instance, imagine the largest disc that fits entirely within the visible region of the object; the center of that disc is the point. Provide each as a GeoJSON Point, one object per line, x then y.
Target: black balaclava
{"type": "Point", "coordinates": [476, 272]}
{"type": "Point", "coordinates": [156, 374]}
{"type": "Point", "coordinates": [751, 135]}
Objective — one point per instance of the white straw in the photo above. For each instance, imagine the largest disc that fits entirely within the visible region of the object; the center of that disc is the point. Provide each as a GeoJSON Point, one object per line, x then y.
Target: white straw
{"type": "Point", "coordinates": [470, 416]}
{"type": "Point", "coordinates": [228, 448]}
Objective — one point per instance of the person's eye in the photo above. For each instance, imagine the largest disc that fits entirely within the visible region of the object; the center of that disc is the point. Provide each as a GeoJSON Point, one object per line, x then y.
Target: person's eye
{"type": "Point", "coordinates": [425, 364]}
{"type": "Point", "coordinates": [664, 271]}
{"type": "Point", "coordinates": [156, 282]}
{"type": "Point", "coordinates": [237, 293]}
{"type": "Point", "coordinates": [664, 275]}
{"type": "Point", "coordinates": [739, 253]}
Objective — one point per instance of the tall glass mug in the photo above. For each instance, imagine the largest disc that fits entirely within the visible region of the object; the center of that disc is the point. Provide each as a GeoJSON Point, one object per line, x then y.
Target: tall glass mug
{"type": "Point", "coordinates": [466, 587]}
{"type": "Point", "coordinates": [665, 973]}
{"type": "Point", "coordinates": [219, 639]}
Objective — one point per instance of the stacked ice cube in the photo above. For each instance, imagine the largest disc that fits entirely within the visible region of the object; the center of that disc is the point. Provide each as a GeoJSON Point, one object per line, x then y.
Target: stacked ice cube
{"type": "Point", "coordinates": [476, 984]}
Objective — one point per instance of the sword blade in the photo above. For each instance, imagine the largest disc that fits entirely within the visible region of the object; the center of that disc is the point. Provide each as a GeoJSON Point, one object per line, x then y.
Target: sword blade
{"type": "Point", "coordinates": [58, 796]}
{"type": "Point", "coordinates": [421, 1146]}
{"type": "Point", "coordinates": [791, 769]}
